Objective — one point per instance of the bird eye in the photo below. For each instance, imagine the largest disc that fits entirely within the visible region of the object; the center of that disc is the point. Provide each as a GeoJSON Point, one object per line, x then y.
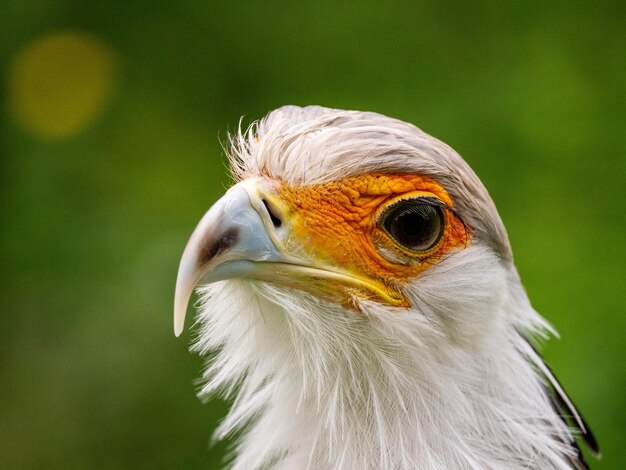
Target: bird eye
{"type": "Point", "coordinates": [415, 225]}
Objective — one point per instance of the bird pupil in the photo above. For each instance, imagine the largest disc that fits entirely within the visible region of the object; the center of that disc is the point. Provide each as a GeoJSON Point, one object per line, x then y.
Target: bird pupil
{"type": "Point", "coordinates": [411, 225]}
{"type": "Point", "coordinates": [415, 226]}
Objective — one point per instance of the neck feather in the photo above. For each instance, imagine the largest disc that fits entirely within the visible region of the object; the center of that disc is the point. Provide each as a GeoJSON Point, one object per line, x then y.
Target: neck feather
{"type": "Point", "coordinates": [317, 386]}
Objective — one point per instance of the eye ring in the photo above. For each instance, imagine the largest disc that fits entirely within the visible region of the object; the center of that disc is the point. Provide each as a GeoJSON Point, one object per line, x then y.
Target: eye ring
{"type": "Point", "coordinates": [415, 225]}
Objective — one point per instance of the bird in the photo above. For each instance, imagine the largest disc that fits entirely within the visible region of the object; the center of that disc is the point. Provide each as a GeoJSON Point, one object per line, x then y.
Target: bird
{"type": "Point", "coordinates": [359, 306]}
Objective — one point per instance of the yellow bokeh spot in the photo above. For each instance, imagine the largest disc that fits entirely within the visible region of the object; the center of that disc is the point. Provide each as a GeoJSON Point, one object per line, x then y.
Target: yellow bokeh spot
{"type": "Point", "coordinates": [59, 84]}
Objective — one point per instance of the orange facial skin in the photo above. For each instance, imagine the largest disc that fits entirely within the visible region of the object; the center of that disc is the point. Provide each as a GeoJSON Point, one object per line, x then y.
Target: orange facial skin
{"type": "Point", "coordinates": [336, 223]}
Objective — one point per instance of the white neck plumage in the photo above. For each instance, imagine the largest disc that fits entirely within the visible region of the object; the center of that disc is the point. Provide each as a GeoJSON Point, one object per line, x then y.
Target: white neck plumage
{"type": "Point", "coordinates": [317, 386]}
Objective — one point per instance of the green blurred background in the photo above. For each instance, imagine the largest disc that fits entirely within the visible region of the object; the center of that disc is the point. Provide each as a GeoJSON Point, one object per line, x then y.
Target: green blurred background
{"type": "Point", "coordinates": [109, 154]}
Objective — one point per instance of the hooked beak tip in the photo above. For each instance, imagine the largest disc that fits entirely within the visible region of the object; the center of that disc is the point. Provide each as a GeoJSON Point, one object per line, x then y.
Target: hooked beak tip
{"type": "Point", "coordinates": [181, 300]}
{"type": "Point", "coordinates": [179, 319]}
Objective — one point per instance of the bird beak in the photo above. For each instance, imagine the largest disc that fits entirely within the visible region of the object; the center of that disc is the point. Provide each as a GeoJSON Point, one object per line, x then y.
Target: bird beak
{"type": "Point", "coordinates": [234, 239]}
{"type": "Point", "coordinates": [251, 233]}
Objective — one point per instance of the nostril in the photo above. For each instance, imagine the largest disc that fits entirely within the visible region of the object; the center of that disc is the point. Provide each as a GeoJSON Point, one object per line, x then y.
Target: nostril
{"type": "Point", "coordinates": [272, 212]}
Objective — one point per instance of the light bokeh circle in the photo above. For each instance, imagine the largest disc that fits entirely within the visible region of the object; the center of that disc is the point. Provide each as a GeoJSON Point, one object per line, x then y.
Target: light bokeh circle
{"type": "Point", "coordinates": [60, 83]}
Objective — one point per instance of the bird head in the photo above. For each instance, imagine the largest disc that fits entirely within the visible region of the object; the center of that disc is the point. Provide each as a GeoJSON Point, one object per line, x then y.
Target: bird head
{"type": "Point", "coordinates": [352, 208]}
{"type": "Point", "coordinates": [358, 293]}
